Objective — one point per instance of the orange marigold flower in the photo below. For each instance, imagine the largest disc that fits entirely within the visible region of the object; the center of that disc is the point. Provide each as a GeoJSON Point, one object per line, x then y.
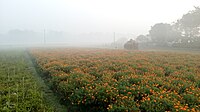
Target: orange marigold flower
{"type": "Point", "coordinates": [176, 106]}
{"type": "Point", "coordinates": [193, 109]}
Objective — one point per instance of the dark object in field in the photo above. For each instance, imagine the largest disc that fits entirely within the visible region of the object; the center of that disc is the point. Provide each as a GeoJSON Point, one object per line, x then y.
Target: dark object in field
{"type": "Point", "coordinates": [131, 45]}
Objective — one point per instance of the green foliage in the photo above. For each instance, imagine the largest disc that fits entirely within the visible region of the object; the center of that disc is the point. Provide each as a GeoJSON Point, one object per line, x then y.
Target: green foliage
{"type": "Point", "coordinates": [190, 99]}
{"type": "Point", "coordinates": [135, 81]}
{"type": "Point", "coordinates": [19, 89]}
{"type": "Point", "coordinates": [68, 69]}
{"type": "Point", "coordinates": [168, 71]}
{"type": "Point", "coordinates": [157, 105]}
{"type": "Point", "coordinates": [198, 84]}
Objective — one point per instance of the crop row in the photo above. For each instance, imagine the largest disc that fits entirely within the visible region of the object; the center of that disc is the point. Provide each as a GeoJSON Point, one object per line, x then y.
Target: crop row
{"type": "Point", "coordinates": [118, 80]}
{"type": "Point", "coordinates": [19, 89]}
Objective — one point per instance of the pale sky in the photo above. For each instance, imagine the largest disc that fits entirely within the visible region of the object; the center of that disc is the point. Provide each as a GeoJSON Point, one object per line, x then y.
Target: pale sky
{"type": "Point", "coordinates": [79, 16]}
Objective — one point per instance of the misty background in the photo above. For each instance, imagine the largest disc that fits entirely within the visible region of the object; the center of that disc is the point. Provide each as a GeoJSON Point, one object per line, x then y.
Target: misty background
{"type": "Point", "coordinates": [85, 22]}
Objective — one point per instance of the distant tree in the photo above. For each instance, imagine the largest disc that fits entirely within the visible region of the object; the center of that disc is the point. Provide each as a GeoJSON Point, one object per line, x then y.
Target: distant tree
{"type": "Point", "coordinates": [189, 25]}
{"type": "Point", "coordinates": [189, 28]}
{"type": "Point", "coordinates": [142, 38]}
{"type": "Point", "coordinates": [163, 33]}
{"type": "Point", "coordinates": [131, 45]}
{"type": "Point", "coordinates": [159, 32]}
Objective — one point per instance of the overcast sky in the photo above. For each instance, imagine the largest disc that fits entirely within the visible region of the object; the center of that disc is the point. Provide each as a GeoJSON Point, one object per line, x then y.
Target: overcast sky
{"type": "Point", "coordinates": [125, 16]}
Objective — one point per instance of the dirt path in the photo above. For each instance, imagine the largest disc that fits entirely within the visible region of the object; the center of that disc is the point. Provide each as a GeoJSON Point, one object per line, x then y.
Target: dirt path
{"type": "Point", "coordinates": [49, 95]}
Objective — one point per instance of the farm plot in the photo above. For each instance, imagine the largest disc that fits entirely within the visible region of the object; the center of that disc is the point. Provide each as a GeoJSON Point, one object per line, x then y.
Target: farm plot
{"type": "Point", "coordinates": [117, 80]}
{"type": "Point", "coordinates": [19, 89]}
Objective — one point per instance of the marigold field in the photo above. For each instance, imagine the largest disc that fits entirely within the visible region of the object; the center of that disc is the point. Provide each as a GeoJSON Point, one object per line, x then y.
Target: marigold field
{"type": "Point", "coordinates": [119, 80]}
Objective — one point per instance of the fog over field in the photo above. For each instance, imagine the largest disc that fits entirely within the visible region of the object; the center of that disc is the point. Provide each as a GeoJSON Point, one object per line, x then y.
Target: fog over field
{"type": "Point", "coordinates": [99, 55]}
{"type": "Point", "coordinates": [84, 22]}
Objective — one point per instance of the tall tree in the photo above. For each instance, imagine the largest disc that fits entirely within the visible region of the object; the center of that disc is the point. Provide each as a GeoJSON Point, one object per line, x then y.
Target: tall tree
{"type": "Point", "coordinates": [163, 33]}
{"type": "Point", "coordinates": [142, 38]}
{"type": "Point", "coordinates": [189, 25]}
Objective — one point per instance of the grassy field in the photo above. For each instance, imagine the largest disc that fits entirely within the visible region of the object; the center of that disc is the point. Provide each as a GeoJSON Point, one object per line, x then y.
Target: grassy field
{"type": "Point", "coordinates": [20, 89]}
{"type": "Point", "coordinates": [118, 80]}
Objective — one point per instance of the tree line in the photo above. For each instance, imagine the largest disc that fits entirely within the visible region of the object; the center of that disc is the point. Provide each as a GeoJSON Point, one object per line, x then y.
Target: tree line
{"type": "Point", "coordinates": [184, 33]}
